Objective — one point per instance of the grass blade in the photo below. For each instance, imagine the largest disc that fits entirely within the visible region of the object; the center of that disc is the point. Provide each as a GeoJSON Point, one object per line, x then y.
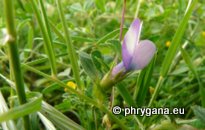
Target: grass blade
{"type": "Point", "coordinates": [89, 67]}
{"type": "Point", "coordinates": [109, 36]}
{"type": "Point", "coordinates": [25, 109]}
{"type": "Point", "coordinates": [143, 83]}
{"type": "Point", "coordinates": [60, 120]}
{"type": "Point", "coordinates": [187, 59]}
{"type": "Point", "coordinates": [176, 40]}
{"type": "Point", "coordinates": [46, 122]}
{"type": "Point", "coordinates": [125, 94]}
{"type": "Point", "coordinates": [71, 50]}
{"type": "Point", "coordinates": [9, 125]}
{"type": "Point", "coordinates": [14, 59]}
{"type": "Point", "coordinates": [199, 112]}
{"type": "Point", "coordinates": [79, 94]}
{"type": "Point", "coordinates": [172, 50]}
{"type": "Point", "coordinates": [46, 37]}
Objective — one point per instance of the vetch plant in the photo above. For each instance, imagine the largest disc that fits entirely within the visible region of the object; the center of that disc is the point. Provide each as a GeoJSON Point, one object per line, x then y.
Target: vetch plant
{"type": "Point", "coordinates": [136, 54]}
{"type": "Point", "coordinates": [90, 94]}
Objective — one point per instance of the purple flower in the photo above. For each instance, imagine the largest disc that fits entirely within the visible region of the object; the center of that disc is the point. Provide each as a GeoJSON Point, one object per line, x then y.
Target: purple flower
{"type": "Point", "coordinates": [136, 54]}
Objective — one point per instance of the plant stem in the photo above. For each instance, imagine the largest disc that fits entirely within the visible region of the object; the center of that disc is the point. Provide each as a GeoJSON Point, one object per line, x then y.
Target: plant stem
{"type": "Point", "coordinates": [122, 20]}
{"type": "Point", "coordinates": [159, 83]}
{"type": "Point", "coordinates": [45, 19]}
{"type": "Point", "coordinates": [70, 48]}
{"type": "Point", "coordinates": [14, 56]}
{"type": "Point", "coordinates": [138, 7]}
{"type": "Point", "coordinates": [156, 91]}
{"type": "Point", "coordinates": [79, 94]}
{"type": "Point", "coordinates": [46, 37]}
{"type": "Point", "coordinates": [140, 125]}
{"type": "Point", "coordinates": [178, 57]}
{"type": "Point", "coordinates": [172, 51]}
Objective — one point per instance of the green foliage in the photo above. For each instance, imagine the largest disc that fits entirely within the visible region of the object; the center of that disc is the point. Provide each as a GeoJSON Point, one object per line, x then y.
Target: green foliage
{"type": "Point", "coordinates": [199, 113]}
{"type": "Point", "coordinates": [143, 83]}
{"type": "Point", "coordinates": [89, 67]}
{"type": "Point", "coordinates": [61, 41]}
{"type": "Point", "coordinates": [25, 109]}
{"type": "Point", "coordinates": [176, 40]}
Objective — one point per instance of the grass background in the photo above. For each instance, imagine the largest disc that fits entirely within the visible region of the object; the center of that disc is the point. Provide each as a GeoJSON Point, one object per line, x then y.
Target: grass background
{"type": "Point", "coordinates": [78, 41]}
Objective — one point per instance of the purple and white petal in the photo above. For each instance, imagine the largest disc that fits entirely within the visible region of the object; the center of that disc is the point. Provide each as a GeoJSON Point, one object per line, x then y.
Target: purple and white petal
{"type": "Point", "coordinates": [118, 68]}
{"type": "Point", "coordinates": [143, 54]}
{"type": "Point", "coordinates": [131, 39]}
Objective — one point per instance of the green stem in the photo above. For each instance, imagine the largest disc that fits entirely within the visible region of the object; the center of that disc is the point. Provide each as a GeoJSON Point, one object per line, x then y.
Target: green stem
{"type": "Point", "coordinates": [156, 91]}
{"type": "Point", "coordinates": [138, 7]}
{"type": "Point", "coordinates": [79, 94]}
{"type": "Point", "coordinates": [184, 46]}
{"type": "Point", "coordinates": [46, 37]}
{"type": "Point", "coordinates": [122, 20]}
{"type": "Point", "coordinates": [71, 50]}
{"type": "Point", "coordinates": [14, 56]}
{"type": "Point", "coordinates": [191, 66]}
{"type": "Point", "coordinates": [159, 83]}
{"type": "Point", "coordinates": [171, 53]}
{"type": "Point", "coordinates": [45, 19]}
{"type": "Point", "coordinates": [172, 50]}
{"type": "Point", "coordinates": [140, 125]}
{"type": "Point", "coordinates": [138, 84]}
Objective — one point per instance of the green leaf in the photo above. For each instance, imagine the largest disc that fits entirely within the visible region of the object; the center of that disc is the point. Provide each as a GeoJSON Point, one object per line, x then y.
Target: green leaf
{"type": "Point", "coordinates": [122, 88]}
{"type": "Point", "coordinates": [51, 88]}
{"type": "Point", "coordinates": [89, 66]}
{"type": "Point", "coordinates": [82, 39]}
{"type": "Point", "coordinates": [10, 125]}
{"type": "Point", "coordinates": [76, 7]}
{"type": "Point", "coordinates": [48, 124]}
{"type": "Point", "coordinates": [96, 56]}
{"type": "Point", "coordinates": [100, 4]}
{"type": "Point", "coordinates": [176, 41]}
{"type": "Point", "coordinates": [198, 124]}
{"type": "Point", "coordinates": [189, 63]}
{"type": "Point", "coordinates": [25, 109]}
{"type": "Point", "coordinates": [58, 119]}
{"type": "Point", "coordinates": [115, 45]}
{"type": "Point", "coordinates": [110, 35]}
{"type": "Point", "coordinates": [29, 44]}
{"type": "Point", "coordinates": [22, 24]}
{"type": "Point", "coordinates": [74, 38]}
{"type": "Point", "coordinates": [35, 125]}
{"type": "Point", "coordinates": [143, 83]}
{"type": "Point", "coordinates": [47, 38]}
{"type": "Point", "coordinates": [199, 112]}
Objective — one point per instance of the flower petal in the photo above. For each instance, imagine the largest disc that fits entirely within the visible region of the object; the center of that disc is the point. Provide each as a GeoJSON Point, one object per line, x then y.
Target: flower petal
{"type": "Point", "coordinates": [131, 39]}
{"type": "Point", "coordinates": [118, 68]}
{"type": "Point", "coordinates": [143, 54]}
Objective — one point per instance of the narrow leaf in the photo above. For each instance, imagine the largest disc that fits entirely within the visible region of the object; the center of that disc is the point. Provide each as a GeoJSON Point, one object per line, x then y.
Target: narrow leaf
{"type": "Point", "coordinates": [9, 125]}
{"type": "Point", "coordinates": [110, 35]}
{"type": "Point", "coordinates": [121, 87]}
{"type": "Point", "coordinates": [58, 119]}
{"type": "Point", "coordinates": [25, 109]}
{"type": "Point", "coordinates": [199, 112]}
{"type": "Point", "coordinates": [144, 82]}
{"type": "Point", "coordinates": [89, 66]}
{"type": "Point", "coordinates": [192, 68]}
{"type": "Point", "coordinates": [176, 40]}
